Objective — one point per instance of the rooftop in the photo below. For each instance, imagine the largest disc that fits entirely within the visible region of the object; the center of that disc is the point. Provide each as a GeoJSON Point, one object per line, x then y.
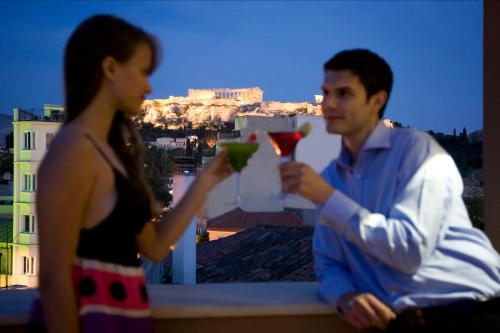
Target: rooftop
{"type": "Point", "coordinates": [262, 253]}
{"type": "Point", "coordinates": [237, 220]}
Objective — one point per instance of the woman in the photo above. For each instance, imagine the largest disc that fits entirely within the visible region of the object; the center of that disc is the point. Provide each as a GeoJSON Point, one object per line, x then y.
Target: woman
{"type": "Point", "coordinates": [95, 209]}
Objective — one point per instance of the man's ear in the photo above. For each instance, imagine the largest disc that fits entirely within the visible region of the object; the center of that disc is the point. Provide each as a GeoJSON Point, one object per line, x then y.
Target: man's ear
{"type": "Point", "coordinates": [109, 68]}
{"type": "Point", "coordinates": [378, 100]}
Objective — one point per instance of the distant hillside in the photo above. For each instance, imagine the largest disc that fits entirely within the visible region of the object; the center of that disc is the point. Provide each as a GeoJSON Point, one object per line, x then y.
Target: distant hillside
{"type": "Point", "coordinates": [5, 127]}
{"type": "Point", "coordinates": [184, 112]}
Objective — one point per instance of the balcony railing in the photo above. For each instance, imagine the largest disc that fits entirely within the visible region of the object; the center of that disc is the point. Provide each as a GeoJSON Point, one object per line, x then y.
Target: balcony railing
{"type": "Point", "coordinates": [290, 307]}
{"type": "Point", "coordinates": [38, 115]}
{"type": "Point", "coordinates": [232, 135]}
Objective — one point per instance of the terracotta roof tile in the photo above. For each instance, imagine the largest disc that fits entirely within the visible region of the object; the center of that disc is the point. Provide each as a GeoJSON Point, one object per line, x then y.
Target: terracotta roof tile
{"type": "Point", "coordinates": [237, 220]}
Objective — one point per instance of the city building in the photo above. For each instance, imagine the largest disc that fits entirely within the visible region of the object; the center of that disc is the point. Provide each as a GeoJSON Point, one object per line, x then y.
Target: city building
{"type": "Point", "coordinates": [33, 132]}
{"type": "Point", "coordinates": [170, 143]}
{"type": "Point", "coordinates": [6, 246]}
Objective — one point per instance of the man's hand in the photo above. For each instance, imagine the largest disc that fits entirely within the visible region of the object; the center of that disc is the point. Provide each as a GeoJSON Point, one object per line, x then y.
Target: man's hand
{"type": "Point", "coordinates": [302, 179]}
{"type": "Point", "coordinates": [365, 310]}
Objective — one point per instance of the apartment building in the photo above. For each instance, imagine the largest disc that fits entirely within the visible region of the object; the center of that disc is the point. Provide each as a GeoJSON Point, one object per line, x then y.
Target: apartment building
{"type": "Point", "coordinates": [33, 132]}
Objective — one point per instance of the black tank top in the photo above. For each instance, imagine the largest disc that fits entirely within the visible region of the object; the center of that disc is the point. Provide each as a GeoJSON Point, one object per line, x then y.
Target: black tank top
{"type": "Point", "coordinates": [114, 239]}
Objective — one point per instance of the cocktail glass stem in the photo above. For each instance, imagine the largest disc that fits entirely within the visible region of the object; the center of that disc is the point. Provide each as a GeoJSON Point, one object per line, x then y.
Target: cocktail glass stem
{"type": "Point", "coordinates": [237, 198]}
{"type": "Point", "coordinates": [283, 159]}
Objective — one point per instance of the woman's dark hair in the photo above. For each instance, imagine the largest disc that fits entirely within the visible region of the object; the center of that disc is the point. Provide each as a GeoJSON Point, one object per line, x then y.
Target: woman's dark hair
{"type": "Point", "coordinates": [94, 39]}
{"type": "Point", "coordinates": [374, 73]}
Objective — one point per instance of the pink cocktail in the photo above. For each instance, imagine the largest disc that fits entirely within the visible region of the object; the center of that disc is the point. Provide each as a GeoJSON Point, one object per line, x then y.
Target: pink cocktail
{"type": "Point", "coordinates": [284, 143]}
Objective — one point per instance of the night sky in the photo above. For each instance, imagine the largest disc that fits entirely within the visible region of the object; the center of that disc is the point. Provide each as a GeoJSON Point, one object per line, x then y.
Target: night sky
{"type": "Point", "coordinates": [433, 47]}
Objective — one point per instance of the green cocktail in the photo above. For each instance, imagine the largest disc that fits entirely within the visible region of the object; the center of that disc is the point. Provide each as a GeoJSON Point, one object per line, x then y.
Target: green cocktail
{"type": "Point", "coordinates": [239, 153]}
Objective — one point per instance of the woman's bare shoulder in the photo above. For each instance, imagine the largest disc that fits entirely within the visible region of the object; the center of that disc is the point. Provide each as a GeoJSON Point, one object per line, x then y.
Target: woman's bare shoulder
{"type": "Point", "coordinates": [70, 150]}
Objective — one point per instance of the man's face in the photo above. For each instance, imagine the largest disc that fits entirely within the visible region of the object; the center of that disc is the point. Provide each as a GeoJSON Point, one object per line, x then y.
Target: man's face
{"type": "Point", "coordinates": [345, 108]}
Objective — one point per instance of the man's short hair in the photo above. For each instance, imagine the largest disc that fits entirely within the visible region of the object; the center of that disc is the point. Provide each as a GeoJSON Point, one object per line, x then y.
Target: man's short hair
{"type": "Point", "coordinates": [373, 71]}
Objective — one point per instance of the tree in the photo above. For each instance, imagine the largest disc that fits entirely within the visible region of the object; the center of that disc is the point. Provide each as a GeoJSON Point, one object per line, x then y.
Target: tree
{"type": "Point", "coordinates": [6, 164]}
{"type": "Point", "coordinates": [463, 135]}
{"type": "Point", "coordinates": [9, 140]}
{"type": "Point", "coordinates": [198, 158]}
{"type": "Point", "coordinates": [159, 168]}
{"type": "Point", "coordinates": [475, 208]}
{"type": "Point", "coordinates": [189, 148]}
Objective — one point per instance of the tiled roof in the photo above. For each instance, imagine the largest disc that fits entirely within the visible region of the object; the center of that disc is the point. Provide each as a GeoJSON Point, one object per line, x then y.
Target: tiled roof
{"type": "Point", "coordinates": [237, 220]}
{"type": "Point", "coordinates": [262, 253]}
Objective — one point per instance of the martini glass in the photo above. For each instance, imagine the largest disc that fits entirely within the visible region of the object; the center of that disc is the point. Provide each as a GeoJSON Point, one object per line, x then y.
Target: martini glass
{"type": "Point", "coordinates": [284, 144]}
{"type": "Point", "coordinates": [239, 153]}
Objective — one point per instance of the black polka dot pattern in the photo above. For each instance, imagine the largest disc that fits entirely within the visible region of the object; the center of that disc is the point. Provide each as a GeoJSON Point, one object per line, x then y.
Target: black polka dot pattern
{"type": "Point", "coordinates": [87, 287]}
{"type": "Point", "coordinates": [118, 291]}
{"type": "Point", "coordinates": [144, 293]}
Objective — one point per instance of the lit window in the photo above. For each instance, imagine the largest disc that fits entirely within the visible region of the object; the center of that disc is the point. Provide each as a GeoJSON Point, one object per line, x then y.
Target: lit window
{"type": "Point", "coordinates": [28, 265]}
{"type": "Point", "coordinates": [29, 141]}
{"type": "Point", "coordinates": [48, 139]}
{"type": "Point", "coordinates": [29, 182]}
{"type": "Point", "coordinates": [27, 223]}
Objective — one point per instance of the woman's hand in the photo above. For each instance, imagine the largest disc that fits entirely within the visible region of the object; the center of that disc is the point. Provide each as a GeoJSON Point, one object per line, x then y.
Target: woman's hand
{"type": "Point", "coordinates": [216, 171]}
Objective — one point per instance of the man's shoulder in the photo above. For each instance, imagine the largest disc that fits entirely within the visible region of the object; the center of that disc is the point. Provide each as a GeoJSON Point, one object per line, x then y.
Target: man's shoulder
{"type": "Point", "coordinates": [412, 138]}
{"type": "Point", "coordinates": [410, 134]}
{"type": "Point", "coordinates": [413, 148]}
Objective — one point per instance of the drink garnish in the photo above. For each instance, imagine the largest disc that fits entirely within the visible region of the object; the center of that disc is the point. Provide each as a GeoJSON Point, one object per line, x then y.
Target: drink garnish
{"type": "Point", "coordinates": [305, 129]}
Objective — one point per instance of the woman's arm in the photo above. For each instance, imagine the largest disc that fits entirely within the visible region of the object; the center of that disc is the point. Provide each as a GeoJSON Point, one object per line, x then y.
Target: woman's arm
{"type": "Point", "coordinates": [65, 181]}
{"type": "Point", "coordinates": [156, 238]}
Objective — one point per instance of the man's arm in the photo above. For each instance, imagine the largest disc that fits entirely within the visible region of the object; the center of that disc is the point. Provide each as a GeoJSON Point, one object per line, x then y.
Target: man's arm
{"type": "Point", "coordinates": [333, 275]}
{"type": "Point", "coordinates": [404, 237]}
{"type": "Point", "coordinates": [336, 285]}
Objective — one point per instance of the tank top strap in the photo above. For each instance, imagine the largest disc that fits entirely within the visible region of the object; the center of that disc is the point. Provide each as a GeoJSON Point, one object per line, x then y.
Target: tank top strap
{"type": "Point", "coordinates": [101, 152]}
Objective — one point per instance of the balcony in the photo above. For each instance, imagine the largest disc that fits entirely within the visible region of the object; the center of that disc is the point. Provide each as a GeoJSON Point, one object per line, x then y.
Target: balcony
{"type": "Point", "coordinates": [229, 307]}
{"type": "Point", "coordinates": [54, 116]}
{"type": "Point", "coordinates": [235, 134]}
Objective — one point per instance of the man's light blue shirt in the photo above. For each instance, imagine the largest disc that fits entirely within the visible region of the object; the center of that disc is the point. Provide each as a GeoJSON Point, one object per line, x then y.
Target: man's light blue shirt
{"type": "Point", "coordinates": [397, 227]}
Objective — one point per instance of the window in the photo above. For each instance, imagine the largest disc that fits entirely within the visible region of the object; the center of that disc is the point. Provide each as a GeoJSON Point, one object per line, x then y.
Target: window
{"type": "Point", "coordinates": [29, 182]}
{"type": "Point", "coordinates": [48, 139]}
{"type": "Point", "coordinates": [28, 223]}
{"type": "Point", "coordinates": [28, 265]}
{"type": "Point", "coordinates": [29, 141]}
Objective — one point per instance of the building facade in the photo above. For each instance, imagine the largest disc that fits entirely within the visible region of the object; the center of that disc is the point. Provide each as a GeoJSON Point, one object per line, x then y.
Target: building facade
{"type": "Point", "coordinates": [33, 133]}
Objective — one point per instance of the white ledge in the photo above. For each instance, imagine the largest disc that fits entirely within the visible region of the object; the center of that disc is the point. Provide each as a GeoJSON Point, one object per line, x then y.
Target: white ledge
{"type": "Point", "coordinates": [220, 300]}
{"type": "Point", "coordinates": [236, 300]}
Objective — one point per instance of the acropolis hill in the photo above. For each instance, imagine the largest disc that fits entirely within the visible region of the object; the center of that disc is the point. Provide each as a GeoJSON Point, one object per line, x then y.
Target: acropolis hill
{"type": "Point", "coordinates": [212, 106]}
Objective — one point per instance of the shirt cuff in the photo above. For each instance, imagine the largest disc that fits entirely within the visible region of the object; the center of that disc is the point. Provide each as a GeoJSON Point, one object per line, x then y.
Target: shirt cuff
{"type": "Point", "coordinates": [337, 211]}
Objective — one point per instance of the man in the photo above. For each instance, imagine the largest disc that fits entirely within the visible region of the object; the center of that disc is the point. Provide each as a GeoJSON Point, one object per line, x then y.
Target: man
{"type": "Point", "coordinates": [393, 245]}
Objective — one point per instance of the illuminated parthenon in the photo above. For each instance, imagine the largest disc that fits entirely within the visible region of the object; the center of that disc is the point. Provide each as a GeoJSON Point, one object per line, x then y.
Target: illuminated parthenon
{"type": "Point", "coordinates": [244, 94]}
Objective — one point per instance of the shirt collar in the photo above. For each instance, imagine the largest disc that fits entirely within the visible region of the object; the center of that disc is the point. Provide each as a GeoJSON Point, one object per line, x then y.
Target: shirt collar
{"type": "Point", "coordinates": [379, 138]}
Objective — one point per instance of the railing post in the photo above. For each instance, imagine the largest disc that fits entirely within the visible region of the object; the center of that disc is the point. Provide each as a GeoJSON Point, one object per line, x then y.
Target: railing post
{"type": "Point", "coordinates": [184, 253]}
